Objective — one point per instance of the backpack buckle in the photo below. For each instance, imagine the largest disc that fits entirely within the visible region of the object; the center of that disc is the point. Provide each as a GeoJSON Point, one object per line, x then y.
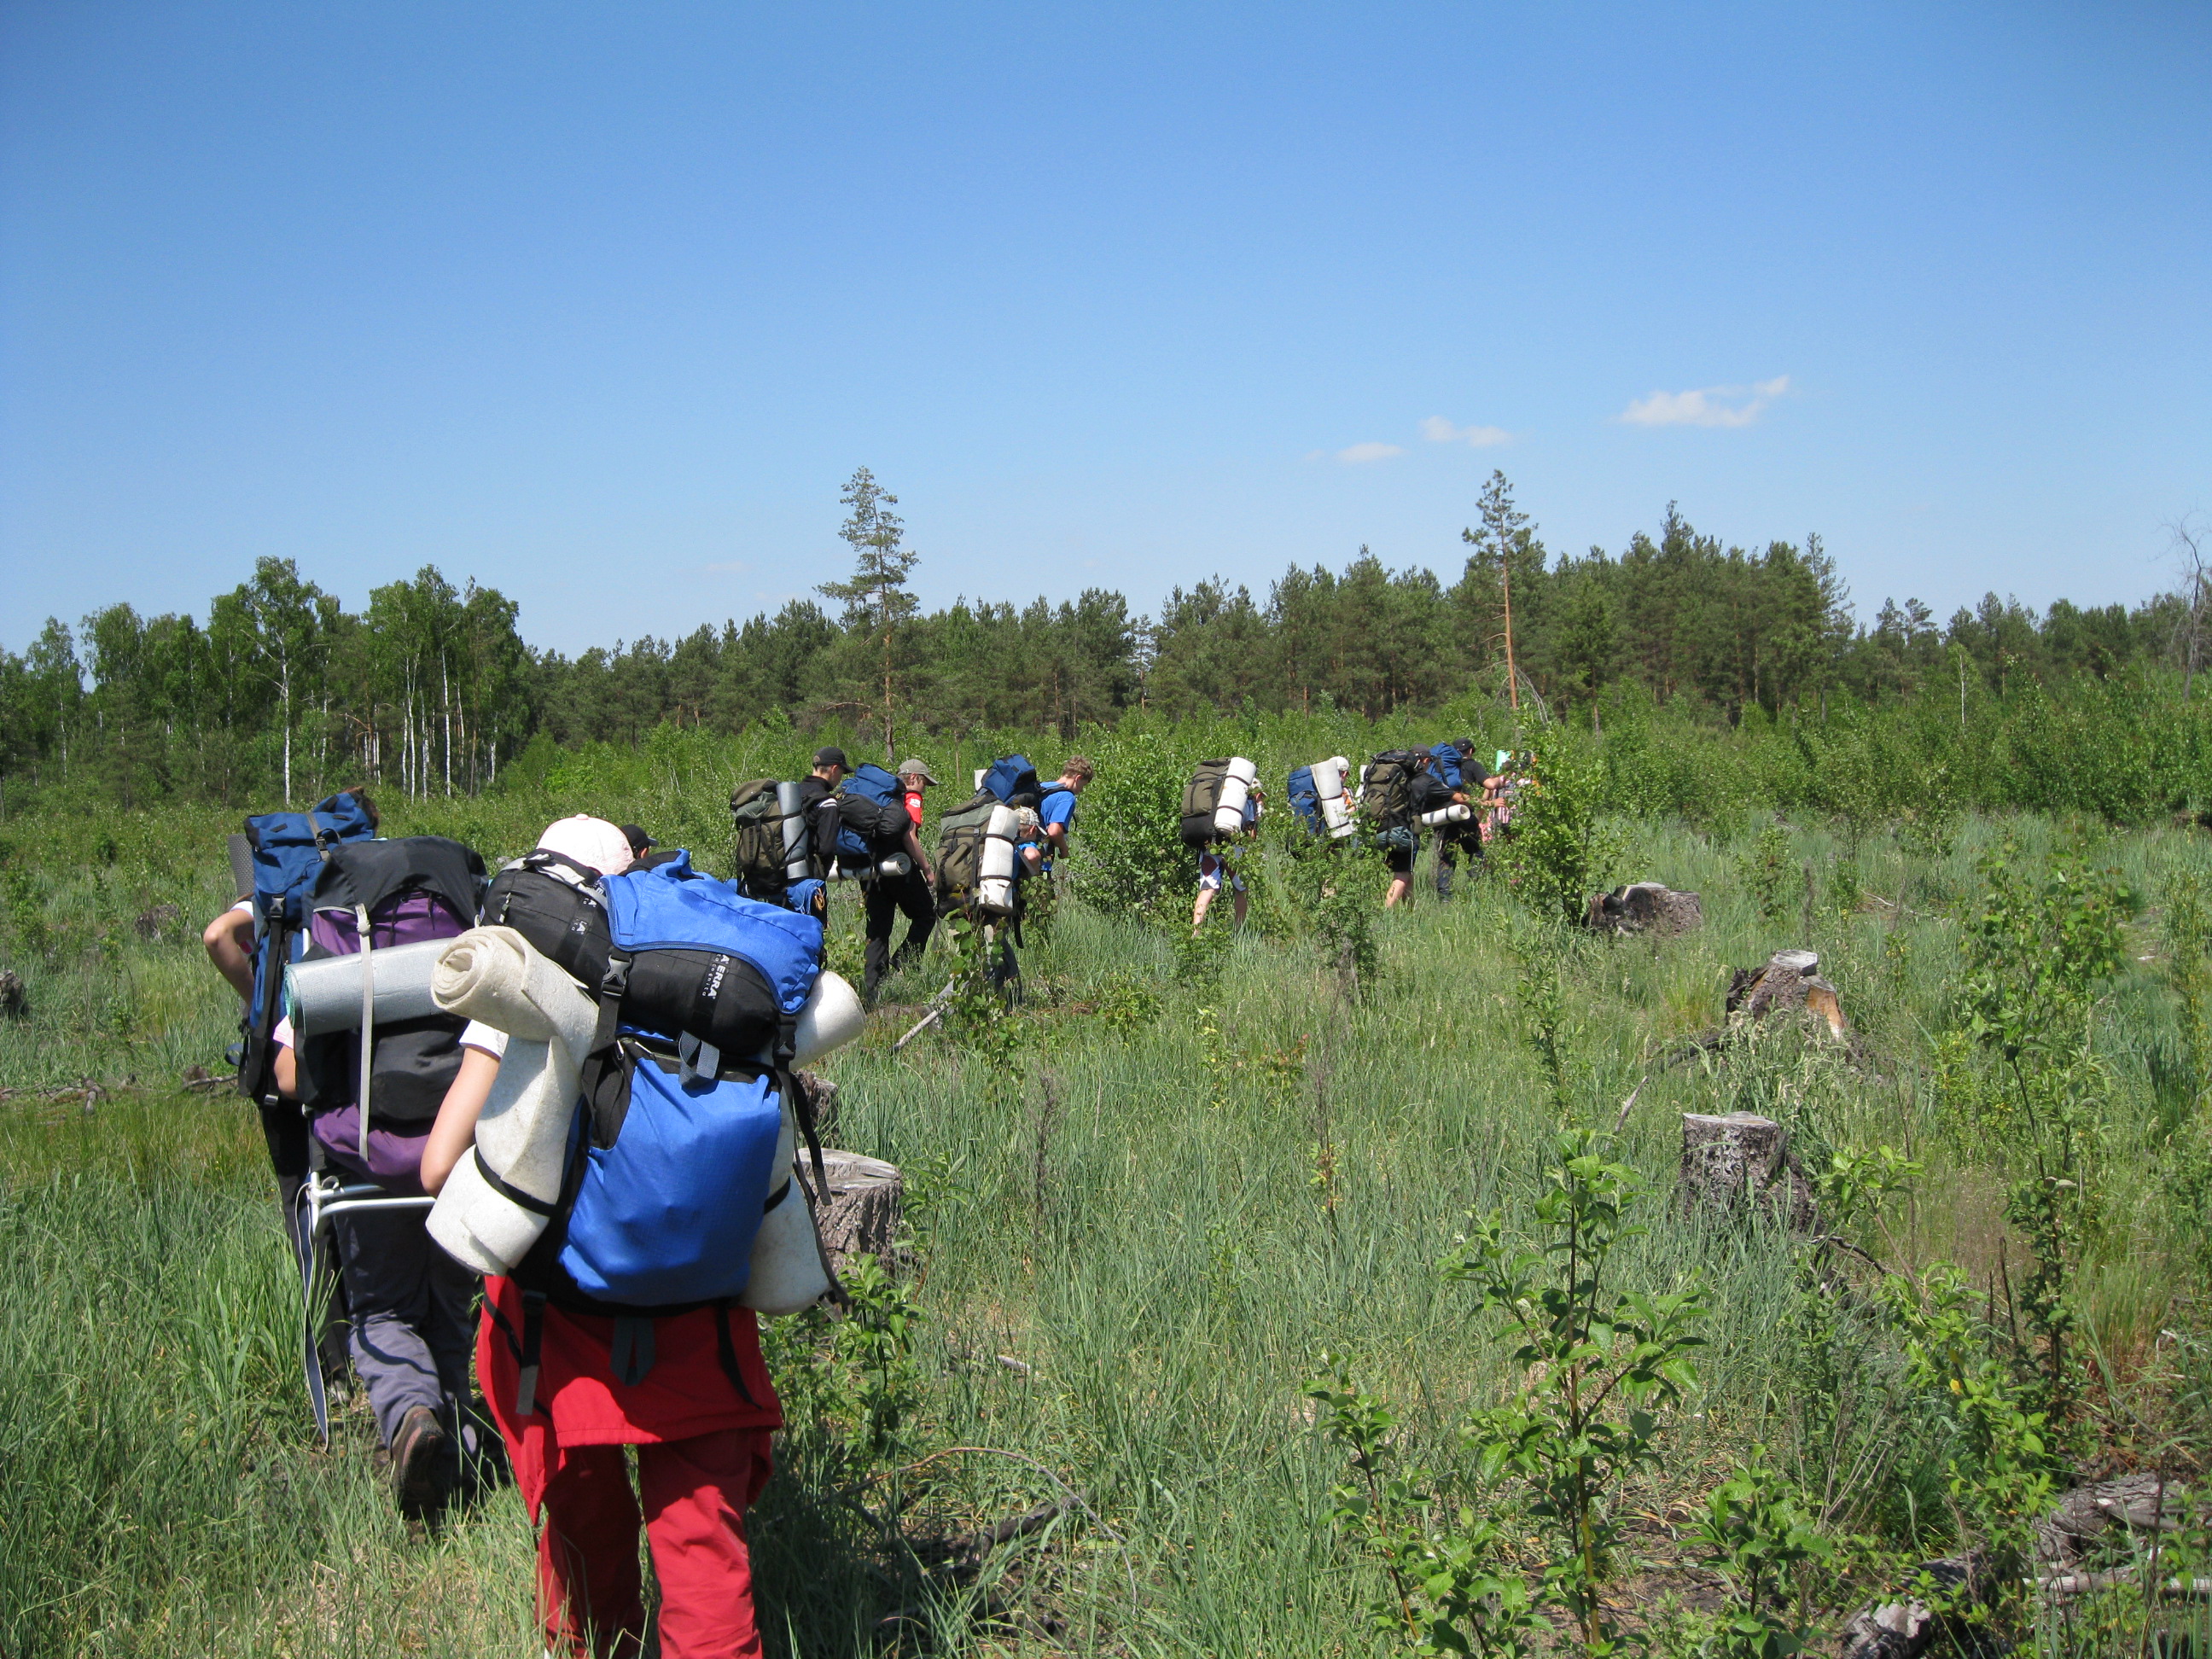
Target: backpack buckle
{"type": "Point", "coordinates": [616, 984]}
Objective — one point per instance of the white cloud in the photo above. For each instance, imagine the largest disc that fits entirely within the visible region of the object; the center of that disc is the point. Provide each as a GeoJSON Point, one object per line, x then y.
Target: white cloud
{"type": "Point", "coordinates": [1712, 405]}
{"type": "Point", "coordinates": [1361, 454]}
{"type": "Point", "coordinates": [1438, 430]}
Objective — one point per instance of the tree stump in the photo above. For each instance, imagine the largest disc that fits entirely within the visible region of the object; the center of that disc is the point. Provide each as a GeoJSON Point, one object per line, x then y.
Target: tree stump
{"type": "Point", "coordinates": [860, 1210]}
{"type": "Point", "coordinates": [1644, 906]}
{"type": "Point", "coordinates": [15, 1001]}
{"type": "Point", "coordinates": [1787, 980]}
{"type": "Point", "coordinates": [1732, 1163]}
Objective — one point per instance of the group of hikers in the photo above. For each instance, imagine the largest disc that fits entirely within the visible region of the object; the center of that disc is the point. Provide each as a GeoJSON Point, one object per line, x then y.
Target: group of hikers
{"type": "Point", "coordinates": [534, 1131]}
{"type": "Point", "coordinates": [1400, 796]}
{"type": "Point", "coordinates": [543, 1315]}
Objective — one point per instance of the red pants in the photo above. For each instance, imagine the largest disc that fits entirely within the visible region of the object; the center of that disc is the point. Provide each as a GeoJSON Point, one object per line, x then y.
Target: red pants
{"type": "Point", "coordinates": [695, 1494]}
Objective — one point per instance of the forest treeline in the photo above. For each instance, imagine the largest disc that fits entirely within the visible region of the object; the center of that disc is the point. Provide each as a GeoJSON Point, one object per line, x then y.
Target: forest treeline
{"type": "Point", "coordinates": [431, 689]}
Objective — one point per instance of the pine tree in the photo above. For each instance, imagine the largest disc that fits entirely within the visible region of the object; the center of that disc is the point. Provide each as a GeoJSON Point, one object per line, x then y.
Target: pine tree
{"type": "Point", "coordinates": [875, 598]}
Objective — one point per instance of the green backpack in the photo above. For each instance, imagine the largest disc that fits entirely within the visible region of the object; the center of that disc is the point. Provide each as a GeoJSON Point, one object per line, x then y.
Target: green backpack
{"type": "Point", "coordinates": [960, 851]}
{"type": "Point", "coordinates": [760, 853]}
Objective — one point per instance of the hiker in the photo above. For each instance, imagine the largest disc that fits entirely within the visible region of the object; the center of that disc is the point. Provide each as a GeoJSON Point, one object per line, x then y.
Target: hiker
{"type": "Point", "coordinates": [1499, 792]}
{"type": "Point", "coordinates": [1057, 812]}
{"type": "Point", "coordinates": [410, 1303]}
{"type": "Point", "coordinates": [884, 897]}
{"type": "Point", "coordinates": [1396, 788]}
{"type": "Point", "coordinates": [234, 941]}
{"type": "Point", "coordinates": [914, 777]}
{"type": "Point", "coordinates": [1215, 867]}
{"type": "Point", "coordinates": [1456, 765]}
{"type": "Point", "coordinates": [817, 787]}
{"type": "Point", "coordinates": [689, 1395]}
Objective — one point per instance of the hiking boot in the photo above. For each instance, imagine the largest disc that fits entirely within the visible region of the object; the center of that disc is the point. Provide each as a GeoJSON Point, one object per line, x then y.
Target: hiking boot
{"type": "Point", "coordinates": [419, 1454]}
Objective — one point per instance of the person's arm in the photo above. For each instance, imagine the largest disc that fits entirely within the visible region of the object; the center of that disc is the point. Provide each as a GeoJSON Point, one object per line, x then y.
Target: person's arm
{"type": "Point", "coordinates": [455, 1131]}
{"type": "Point", "coordinates": [284, 1068]}
{"type": "Point", "coordinates": [920, 859]}
{"type": "Point", "coordinates": [228, 939]}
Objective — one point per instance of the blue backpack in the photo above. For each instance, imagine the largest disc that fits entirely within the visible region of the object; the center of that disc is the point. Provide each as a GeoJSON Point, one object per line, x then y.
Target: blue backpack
{"type": "Point", "coordinates": [1305, 800]}
{"type": "Point", "coordinates": [1447, 758]}
{"type": "Point", "coordinates": [673, 1165]}
{"type": "Point", "coordinates": [871, 815]}
{"type": "Point", "coordinates": [287, 852]}
{"type": "Point", "coordinates": [1014, 781]}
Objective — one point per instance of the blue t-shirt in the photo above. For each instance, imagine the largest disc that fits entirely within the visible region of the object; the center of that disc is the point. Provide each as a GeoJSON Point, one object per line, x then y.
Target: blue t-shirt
{"type": "Point", "coordinates": [1057, 807]}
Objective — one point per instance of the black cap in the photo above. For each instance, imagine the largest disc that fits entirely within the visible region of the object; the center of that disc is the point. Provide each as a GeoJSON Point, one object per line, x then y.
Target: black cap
{"type": "Point", "coordinates": [638, 840]}
{"type": "Point", "coordinates": [830, 755]}
{"type": "Point", "coordinates": [1465, 746]}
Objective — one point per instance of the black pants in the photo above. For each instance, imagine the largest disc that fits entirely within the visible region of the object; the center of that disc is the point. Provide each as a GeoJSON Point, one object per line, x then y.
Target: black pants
{"type": "Point", "coordinates": [886, 897]}
{"type": "Point", "coordinates": [1447, 848]}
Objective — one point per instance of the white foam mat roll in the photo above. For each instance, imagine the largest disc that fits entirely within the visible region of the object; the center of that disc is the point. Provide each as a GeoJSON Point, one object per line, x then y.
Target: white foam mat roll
{"type": "Point", "coordinates": [495, 976]}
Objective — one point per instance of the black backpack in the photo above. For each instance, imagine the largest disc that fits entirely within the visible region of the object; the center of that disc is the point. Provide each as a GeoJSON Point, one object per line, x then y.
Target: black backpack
{"type": "Point", "coordinates": [710, 996]}
{"type": "Point", "coordinates": [1201, 797]}
{"type": "Point", "coordinates": [1393, 783]}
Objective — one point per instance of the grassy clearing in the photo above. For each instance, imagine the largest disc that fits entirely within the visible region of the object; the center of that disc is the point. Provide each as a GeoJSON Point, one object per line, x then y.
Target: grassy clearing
{"type": "Point", "coordinates": [1140, 1212]}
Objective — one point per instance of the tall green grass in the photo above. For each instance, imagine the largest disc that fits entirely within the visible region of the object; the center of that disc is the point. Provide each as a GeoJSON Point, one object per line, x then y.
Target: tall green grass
{"type": "Point", "coordinates": [1125, 1288]}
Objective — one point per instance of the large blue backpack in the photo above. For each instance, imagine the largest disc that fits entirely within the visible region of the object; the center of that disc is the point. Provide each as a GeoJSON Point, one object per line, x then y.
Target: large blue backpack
{"type": "Point", "coordinates": [1447, 759]}
{"type": "Point", "coordinates": [1014, 781]}
{"type": "Point", "coordinates": [1305, 800]}
{"type": "Point", "coordinates": [674, 1164]}
{"type": "Point", "coordinates": [288, 852]}
{"type": "Point", "coordinates": [871, 816]}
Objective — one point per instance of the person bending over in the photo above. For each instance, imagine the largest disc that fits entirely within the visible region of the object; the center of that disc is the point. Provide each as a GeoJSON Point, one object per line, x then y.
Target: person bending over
{"type": "Point", "coordinates": [1218, 863]}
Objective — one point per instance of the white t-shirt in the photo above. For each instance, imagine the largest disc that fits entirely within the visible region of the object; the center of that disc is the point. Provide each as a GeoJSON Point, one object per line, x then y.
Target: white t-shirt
{"type": "Point", "coordinates": [486, 1038]}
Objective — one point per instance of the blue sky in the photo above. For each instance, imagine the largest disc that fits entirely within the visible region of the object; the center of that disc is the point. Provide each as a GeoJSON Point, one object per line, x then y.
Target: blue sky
{"type": "Point", "coordinates": [600, 305]}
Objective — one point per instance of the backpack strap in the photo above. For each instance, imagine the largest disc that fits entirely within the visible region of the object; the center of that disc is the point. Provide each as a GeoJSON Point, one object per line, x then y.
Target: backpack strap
{"type": "Point", "coordinates": [605, 1075]}
{"type": "Point", "coordinates": [526, 1356]}
{"type": "Point", "coordinates": [511, 1193]}
{"type": "Point", "coordinates": [726, 1350]}
{"type": "Point", "coordinates": [631, 1355]}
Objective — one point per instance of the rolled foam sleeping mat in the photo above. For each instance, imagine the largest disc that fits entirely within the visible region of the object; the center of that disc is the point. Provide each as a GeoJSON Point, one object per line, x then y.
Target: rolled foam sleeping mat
{"type": "Point", "coordinates": [494, 975]}
{"type": "Point", "coordinates": [324, 995]}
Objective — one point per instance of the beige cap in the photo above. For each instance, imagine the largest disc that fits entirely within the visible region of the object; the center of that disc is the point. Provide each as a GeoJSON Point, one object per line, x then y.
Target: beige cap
{"type": "Point", "coordinates": [913, 768]}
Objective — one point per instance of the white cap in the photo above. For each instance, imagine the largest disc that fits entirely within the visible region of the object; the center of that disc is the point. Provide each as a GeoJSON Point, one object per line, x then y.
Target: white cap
{"type": "Point", "coordinates": [594, 842]}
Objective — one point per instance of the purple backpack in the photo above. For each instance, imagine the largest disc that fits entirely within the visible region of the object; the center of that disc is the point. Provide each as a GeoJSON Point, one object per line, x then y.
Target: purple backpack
{"type": "Point", "coordinates": [424, 887]}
